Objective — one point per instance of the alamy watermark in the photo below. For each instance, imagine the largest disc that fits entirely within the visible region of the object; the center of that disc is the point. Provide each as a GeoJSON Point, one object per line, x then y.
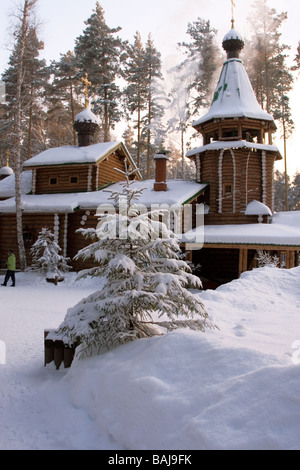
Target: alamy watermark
{"type": "Point", "coordinates": [296, 353]}
{"type": "Point", "coordinates": [2, 353]}
{"type": "Point", "coordinates": [147, 222]}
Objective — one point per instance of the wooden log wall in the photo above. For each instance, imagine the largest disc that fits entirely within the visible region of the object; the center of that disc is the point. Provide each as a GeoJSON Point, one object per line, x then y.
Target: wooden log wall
{"type": "Point", "coordinates": [8, 238]}
{"type": "Point", "coordinates": [32, 225]}
{"type": "Point", "coordinates": [89, 177]}
{"type": "Point", "coordinates": [63, 174]}
{"type": "Point", "coordinates": [249, 185]}
{"type": "Point", "coordinates": [76, 241]}
{"type": "Point", "coordinates": [232, 199]}
{"type": "Point", "coordinates": [106, 170]}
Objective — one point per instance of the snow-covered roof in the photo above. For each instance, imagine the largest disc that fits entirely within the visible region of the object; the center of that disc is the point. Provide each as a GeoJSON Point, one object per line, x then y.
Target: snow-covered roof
{"type": "Point", "coordinates": [283, 231]}
{"type": "Point", "coordinates": [257, 208]}
{"type": "Point", "coordinates": [179, 192]}
{"type": "Point", "coordinates": [234, 144]}
{"type": "Point", "coordinates": [87, 116]}
{"type": "Point", "coordinates": [7, 185]}
{"type": "Point", "coordinates": [234, 96]}
{"type": "Point", "coordinates": [74, 155]}
{"type": "Point", "coordinates": [232, 34]}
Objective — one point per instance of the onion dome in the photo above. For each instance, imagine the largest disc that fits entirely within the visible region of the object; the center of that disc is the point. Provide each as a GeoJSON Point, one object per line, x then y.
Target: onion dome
{"type": "Point", "coordinates": [233, 44]}
{"type": "Point", "coordinates": [5, 171]}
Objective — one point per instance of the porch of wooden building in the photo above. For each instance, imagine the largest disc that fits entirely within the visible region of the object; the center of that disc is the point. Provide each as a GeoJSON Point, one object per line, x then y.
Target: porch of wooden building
{"type": "Point", "coordinates": [218, 264]}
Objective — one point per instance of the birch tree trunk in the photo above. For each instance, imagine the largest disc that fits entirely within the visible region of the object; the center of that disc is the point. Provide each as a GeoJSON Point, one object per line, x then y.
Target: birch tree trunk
{"type": "Point", "coordinates": [21, 39]}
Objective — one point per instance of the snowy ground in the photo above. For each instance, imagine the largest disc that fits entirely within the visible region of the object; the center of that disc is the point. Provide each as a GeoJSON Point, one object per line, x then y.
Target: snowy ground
{"type": "Point", "coordinates": [236, 388]}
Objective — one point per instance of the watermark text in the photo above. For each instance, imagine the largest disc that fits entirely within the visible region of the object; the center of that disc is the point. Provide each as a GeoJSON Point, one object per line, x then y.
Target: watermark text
{"type": "Point", "coordinates": [138, 221]}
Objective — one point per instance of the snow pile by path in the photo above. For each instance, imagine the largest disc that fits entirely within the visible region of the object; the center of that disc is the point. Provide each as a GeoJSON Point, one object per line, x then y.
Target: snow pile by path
{"type": "Point", "coordinates": [236, 388]}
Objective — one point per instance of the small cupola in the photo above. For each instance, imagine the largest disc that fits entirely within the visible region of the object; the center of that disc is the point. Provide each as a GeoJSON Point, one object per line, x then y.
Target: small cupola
{"type": "Point", "coordinates": [86, 124]}
{"type": "Point", "coordinates": [233, 44]}
{"type": "Point", "coordinates": [161, 160]}
{"type": "Point", "coordinates": [6, 170]}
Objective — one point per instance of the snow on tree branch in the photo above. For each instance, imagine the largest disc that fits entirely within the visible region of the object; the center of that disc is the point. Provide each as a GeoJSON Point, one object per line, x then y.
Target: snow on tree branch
{"type": "Point", "coordinates": [146, 282]}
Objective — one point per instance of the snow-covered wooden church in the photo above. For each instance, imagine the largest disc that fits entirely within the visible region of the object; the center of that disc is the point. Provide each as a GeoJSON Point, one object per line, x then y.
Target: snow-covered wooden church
{"type": "Point", "coordinates": [63, 187]}
{"type": "Point", "coordinates": [237, 161]}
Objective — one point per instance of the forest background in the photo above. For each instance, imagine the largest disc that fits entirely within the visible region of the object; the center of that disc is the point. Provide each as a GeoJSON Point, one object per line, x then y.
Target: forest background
{"type": "Point", "coordinates": [139, 98]}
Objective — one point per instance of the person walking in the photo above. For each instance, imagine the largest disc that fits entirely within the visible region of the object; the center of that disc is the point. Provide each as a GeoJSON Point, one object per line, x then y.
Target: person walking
{"type": "Point", "coordinates": [11, 268]}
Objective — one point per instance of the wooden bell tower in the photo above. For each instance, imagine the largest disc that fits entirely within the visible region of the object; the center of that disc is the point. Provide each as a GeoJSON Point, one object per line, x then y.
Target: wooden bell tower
{"type": "Point", "coordinates": [237, 157]}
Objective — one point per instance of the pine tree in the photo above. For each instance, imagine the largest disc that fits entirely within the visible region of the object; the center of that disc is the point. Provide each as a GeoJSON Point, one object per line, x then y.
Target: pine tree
{"type": "Point", "coordinates": [35, 75]}
{"type": "Point", "coordinates": [99, 53]}
{"type": "Point", "coordinates": [139, 259]}
{"type": "Point", "coordinates": [154, 109]}
{"type": "Point", "coordinates": [265, 57]}
{"type": "Point", "coordinates": [176, 170]}
{"type": "Point", "coordinates": [280, 192]}
{"type": "Point", "coordinates": [136, 90]}
{"type": "Point", "coordinates": [268, 71]}
{"type": "Point", "coordinates": [64, 95]}
{"type": "Point", "coordinates": [201, 64]}
{"type": "Point", "coordinates": [178, 108]}
{"type": "Point", "coordinates": [295, 193]}
{"type": "Point", "coordinates": [46, 258]}
{"type": "Point", "coordinates": [128, 138]}
{"type": "Point", "coordinates": [297, 58]}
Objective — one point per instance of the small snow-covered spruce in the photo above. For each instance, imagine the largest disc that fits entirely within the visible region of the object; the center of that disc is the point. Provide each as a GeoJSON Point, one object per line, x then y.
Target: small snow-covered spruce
{"type": "Point", "coordinates": [46, 258]}
{"type": "Point", "coordinates": [265, 259]}
{"type": "Point", "coordinates": [145, 277]}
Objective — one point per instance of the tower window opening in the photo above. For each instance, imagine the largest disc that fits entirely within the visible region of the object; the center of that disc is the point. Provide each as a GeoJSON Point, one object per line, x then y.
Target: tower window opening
{"type": "Point", "coordinates": [227, 189]}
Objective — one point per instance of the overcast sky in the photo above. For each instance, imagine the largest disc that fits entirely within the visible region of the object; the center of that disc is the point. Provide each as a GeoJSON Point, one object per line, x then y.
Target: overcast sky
{"type": "Point", "coordinates": [62, 21]}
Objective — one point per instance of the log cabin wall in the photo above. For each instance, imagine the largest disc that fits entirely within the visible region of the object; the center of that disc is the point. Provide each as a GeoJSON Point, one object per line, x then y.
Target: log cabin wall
{"type": "Point", "coordinates": [106, 170]}
{"type": "Point", "coordinates": [62, 179]}
{"type": "Point", "coordinates": [64, 227]}
{"type": "Point", "coordinates": [76, 241]}
{"type": "Point", "coordinates": [78, 178]}
{"type": "Point", "coordinates": [32, 225]}
{"type": "Point", "coordinates": [236, 177]}
{"type": "Point", "coordinates": [8, 238]}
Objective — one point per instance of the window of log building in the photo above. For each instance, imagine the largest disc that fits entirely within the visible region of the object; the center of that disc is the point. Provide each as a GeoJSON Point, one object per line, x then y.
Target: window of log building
{"type": "Point", "coordinates": [28, 236]}
{"type": "Point", "coordinates": [73, 179]}
{"type": "Point", "coordinates": [52, 181]}
{"type": "Point", "coordinates": [227, 188]}
{"type": "Point", "coordinates": [230, 133]}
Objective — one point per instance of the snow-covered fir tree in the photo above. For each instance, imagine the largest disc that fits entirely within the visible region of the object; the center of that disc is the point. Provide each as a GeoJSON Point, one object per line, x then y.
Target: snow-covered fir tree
{"type": "Point", "coordinates": [46, 257]}
{"type": "Point", "coordinates": [146, 281]}
{"type": "Point", "coordinates": [266, 259]}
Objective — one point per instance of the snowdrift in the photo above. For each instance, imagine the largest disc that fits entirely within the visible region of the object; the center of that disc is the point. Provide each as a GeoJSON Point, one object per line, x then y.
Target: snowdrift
{"type": "Point", "coordinates": [236, 388]}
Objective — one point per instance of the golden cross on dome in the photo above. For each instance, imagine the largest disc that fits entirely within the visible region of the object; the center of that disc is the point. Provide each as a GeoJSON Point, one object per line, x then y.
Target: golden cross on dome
{"type": "Point", "coordinates": [232, 13]}
{"type": "Point", "coordinates": [86, 91]}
